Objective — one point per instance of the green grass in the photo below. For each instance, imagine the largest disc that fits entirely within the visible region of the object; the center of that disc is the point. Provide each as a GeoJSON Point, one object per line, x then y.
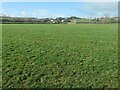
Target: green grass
{"type": "Point", "coordinates": [0, 55]}
{"type": "Point", "coordinates": [60, 55]}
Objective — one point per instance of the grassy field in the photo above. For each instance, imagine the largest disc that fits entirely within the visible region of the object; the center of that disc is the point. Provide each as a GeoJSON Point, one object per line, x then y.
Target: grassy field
{"type": "Point", "coordinates": [54, 55]}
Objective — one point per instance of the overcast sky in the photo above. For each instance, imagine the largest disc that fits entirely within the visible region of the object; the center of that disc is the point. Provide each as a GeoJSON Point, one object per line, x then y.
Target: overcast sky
{"type": "Point", "coordinates": [60, 9]}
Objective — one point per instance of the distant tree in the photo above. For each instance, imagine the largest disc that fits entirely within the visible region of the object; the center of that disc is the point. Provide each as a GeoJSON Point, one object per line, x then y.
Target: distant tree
{"type": "Point", "coordinates": [74, 17]}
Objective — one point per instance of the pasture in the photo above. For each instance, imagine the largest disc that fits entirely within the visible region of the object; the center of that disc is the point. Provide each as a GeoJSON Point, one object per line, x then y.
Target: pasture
{"type": "Point", "coordinates": [59, 55]}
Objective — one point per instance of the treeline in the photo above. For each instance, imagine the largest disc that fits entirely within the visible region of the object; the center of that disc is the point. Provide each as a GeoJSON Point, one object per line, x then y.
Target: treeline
{"type": "Point", "coordinates": [58, 20]}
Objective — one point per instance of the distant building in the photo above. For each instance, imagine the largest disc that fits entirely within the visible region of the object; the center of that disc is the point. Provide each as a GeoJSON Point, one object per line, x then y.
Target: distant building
{"type": "Point", "coordinates": [62, 20]}
{"type": "Point", "coordinates": [51, 20]}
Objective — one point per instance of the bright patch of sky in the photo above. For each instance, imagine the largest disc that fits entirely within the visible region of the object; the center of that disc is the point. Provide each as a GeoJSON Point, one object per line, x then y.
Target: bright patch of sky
{"type": "Point", "coordinates": [60, 9]}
